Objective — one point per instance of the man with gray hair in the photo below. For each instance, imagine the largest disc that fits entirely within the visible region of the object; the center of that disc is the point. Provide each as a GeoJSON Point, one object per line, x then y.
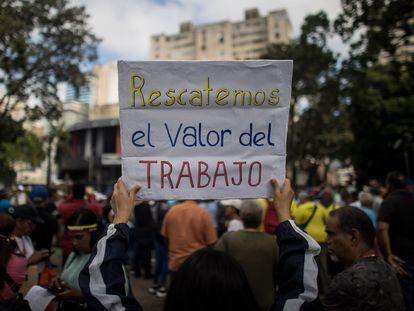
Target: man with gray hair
{"type": "Point", "coordinates": [366, 199]}
{"type": "Point", "coordinates": [257, 252]}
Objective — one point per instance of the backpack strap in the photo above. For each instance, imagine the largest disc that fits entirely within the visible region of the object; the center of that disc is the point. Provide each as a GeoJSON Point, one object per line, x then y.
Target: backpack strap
{"type": "Point", "coordinates": [303, 226]}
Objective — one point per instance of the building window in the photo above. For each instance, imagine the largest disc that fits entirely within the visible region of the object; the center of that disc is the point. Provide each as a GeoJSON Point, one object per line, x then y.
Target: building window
{"type": "Point", "coordinates": [277, 35]}
{"type": "Point", "coordinates": [109, 139]}
{"type": "Point", "coordinates": [203, 47]}
{"type": "Point", "coordinates": [220, 37]}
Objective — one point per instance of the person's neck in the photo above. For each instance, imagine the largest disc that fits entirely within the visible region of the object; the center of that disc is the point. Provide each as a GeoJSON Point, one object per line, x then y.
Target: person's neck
{"type": "Point", "coordinates": [365, 252]}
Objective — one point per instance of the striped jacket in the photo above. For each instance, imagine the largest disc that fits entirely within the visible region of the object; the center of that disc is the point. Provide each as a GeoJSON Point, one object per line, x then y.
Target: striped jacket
{"type": "Point", "coordinates": [105, 284]}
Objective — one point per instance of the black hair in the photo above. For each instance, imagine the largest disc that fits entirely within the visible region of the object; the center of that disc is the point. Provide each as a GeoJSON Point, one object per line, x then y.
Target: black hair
{"type": "Point", "coordinates": [210, 280]}
{"type": "Point", "coordinates": [78, 190]}
{"type": "Point", "coordinates": [7, 245]}
{"type": "Point", "coordinates": [353, 218]}
{"type": "Point", "coordinates": [143, 216]}
{"type": "Point", "coordinates": [85, 217]}
{"type": "Point", "coordinates": [396, 180]}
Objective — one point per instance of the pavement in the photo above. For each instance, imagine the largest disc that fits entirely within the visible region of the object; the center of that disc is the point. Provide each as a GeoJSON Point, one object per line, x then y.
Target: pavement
{"type": "Point", "coordinates": [140, 289]}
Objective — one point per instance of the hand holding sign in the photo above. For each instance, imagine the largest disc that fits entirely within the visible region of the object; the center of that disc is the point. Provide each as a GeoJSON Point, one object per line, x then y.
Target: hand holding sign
{"type": "Point", "coordinates": [122, 201]}
{"type": "Point", "coordinates": [282, 199]}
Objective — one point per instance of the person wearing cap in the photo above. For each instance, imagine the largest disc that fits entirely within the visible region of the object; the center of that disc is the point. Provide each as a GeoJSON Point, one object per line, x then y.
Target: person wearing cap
{"type": "Point", "coordinates": [232, 210]}
{"type": "Point", "coordinates": [42, 236]}
{"type": "Point", "coordinates": [5, 196]}
{"type": "Point", "coordinates": [26, 217]}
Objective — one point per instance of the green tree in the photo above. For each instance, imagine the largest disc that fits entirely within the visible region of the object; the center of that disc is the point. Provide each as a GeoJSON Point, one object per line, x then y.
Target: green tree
{"type": "Point", "coordinates": [42, 43]}
{"type": "Point", "coordinates": [25, 148]}
{"type": "Point", "coordinates": [320, 130]}
{"type": "Point", "coordinates": [378, 83]}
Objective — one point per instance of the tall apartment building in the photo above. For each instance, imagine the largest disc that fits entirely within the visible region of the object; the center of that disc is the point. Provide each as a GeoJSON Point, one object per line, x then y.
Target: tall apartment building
{"type": "Point", "coordinates": [225, 40]}
{"type": "Point", "coordinates": [81, 94]}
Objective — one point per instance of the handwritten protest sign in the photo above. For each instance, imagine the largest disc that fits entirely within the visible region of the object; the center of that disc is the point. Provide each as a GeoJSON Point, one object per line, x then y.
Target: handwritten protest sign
{"type": "Point", "coordinates": [210, 129]}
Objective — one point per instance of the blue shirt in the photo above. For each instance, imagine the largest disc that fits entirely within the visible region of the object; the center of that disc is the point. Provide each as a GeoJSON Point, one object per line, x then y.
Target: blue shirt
{"type": "Point", "coordinates": [371, 214]}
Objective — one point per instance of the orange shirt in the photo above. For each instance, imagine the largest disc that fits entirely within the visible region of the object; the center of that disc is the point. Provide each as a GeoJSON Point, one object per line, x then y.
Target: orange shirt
{"type": "Point", "coordinates": [188, 228]}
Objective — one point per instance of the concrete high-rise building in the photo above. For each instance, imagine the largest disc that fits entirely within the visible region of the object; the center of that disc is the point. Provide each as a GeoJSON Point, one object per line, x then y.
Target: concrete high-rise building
{"type": "Point", "coordinates": [81, 94]}
{"type": "Point", "coordinates": [104, 92]}
{"type": "Point", "coordinates": [247, 39]}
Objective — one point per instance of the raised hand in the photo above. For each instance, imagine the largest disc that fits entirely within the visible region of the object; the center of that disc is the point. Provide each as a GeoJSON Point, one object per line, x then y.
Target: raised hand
{"type": "Point", "coordinates": [282, 199]}
{"type": "Point", "coordinates": [122, 201]}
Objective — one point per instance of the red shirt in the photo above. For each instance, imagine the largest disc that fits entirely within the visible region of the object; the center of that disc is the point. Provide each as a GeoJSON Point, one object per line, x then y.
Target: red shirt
{"type": "Point", "coordinates": [70, 206]}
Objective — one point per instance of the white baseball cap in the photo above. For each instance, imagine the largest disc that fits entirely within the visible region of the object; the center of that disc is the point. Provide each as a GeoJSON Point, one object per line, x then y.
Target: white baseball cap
{"type": "Point", "coordinates": [233, 202]}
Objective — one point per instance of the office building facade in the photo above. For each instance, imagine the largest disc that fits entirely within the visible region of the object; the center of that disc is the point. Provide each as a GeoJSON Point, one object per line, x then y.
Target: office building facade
{"type": "Point", "coordinates": [247, 39]}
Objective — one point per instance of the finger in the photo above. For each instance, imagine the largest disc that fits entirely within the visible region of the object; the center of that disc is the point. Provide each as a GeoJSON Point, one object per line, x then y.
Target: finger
{"type": "Point", "coordinates": [133, 192]}
{"type": "Point", "coordinates": [401, 271]}
{"type": "Point", "coordinates": [121, 185]}
{"type": "Point", "coordinates": [276, 187]}
{"type": "Point", "coordinates": [286, 185]}
{"type": "Point", "coordinates": [398, 260]}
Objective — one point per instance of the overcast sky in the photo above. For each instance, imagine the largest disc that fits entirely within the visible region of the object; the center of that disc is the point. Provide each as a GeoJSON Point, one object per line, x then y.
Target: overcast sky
{"type": "Point", "coordinates": [126, 25]}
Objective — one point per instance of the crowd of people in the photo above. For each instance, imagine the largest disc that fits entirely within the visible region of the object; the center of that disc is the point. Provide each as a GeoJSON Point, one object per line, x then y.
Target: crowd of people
{"type": "Point", "coordinates": [323, 249]}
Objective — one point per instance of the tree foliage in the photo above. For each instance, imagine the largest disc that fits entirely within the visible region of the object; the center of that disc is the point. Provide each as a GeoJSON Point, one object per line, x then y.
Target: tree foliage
{"type": "Point", "coordinates": [320, 130]}
{"type": "Point", "coordinates": [363, 107]}
{"type": "Point", "coordinates": [378, 83]}
{"type": "Point", "coordinates": [42, 43]}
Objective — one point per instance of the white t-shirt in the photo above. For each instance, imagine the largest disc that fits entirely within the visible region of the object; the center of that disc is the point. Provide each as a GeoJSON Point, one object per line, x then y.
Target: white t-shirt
{"type": "Point", "coordinates": [25, 245]}
{"type": "Point", "coordinates": [235, 225]}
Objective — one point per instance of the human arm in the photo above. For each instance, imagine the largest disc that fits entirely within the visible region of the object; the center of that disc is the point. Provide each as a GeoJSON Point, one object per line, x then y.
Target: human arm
{"type": "Point", "coordinates": [38, 256]}
{"type": "Point", "coordinates": [62, 290]}
{"type": "Point", "coordinates": [385, 216]}
{"type": "Point", "coordinates": [297, 269]}
{"type": "Point", "coordinates": [103, 281]}
{"type": "Point", "coordinates": [384, 243]}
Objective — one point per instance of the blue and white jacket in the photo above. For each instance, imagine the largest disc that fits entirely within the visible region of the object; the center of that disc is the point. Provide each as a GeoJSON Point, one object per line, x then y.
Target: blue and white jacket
{"type": "Point", "coordinates": [105, 284]}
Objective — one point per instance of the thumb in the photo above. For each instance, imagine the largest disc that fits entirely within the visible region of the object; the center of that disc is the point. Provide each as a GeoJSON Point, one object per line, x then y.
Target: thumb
{"type": "Point", "coordinates": [133, 192]}
{"type": "Point", "coordinates": [276, 187]}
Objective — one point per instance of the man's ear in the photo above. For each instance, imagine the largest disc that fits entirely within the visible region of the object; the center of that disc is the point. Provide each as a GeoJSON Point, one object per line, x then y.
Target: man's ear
{"type": "Point", "coordinates": [355, 237]}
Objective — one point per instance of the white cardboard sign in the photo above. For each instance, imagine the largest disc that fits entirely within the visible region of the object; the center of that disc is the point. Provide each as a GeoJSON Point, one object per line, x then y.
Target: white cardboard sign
{"type": "Point", "coordinates": [204, 129]}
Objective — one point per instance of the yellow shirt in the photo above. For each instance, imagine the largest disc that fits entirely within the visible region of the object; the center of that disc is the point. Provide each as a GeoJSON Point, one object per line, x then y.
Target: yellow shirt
{"type": "Point", "coordinates": [316, 227]}
{"type": "Point", "coordinates": [263, 205]}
